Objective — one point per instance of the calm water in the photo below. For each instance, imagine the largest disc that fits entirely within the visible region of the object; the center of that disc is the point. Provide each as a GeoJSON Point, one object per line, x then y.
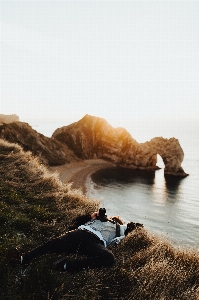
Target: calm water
{"type": "Point", "coordinates": [164, 206]}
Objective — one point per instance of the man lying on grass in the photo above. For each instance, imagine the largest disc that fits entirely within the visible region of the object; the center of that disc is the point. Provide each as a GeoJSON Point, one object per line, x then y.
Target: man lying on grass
{"type": "Point", "coordinates": [90, 236]}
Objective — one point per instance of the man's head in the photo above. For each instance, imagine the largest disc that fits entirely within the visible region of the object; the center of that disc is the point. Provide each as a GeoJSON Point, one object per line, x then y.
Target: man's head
{"type": "Point", "coordinates": [131, 226]}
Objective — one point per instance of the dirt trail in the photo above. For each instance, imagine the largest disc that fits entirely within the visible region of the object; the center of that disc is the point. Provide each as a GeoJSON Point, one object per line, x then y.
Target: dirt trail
{"type": "Point", "coordinates": [78, 172]}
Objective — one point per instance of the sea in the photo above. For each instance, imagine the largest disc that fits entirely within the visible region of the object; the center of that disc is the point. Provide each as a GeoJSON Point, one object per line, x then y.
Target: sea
{"type": "Point", "coordinates": [168, 207]}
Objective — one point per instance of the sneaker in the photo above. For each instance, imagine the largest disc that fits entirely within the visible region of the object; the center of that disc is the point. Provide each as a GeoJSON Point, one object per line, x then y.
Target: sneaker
{"type": "Point", "coordinates": [24, 270]}
{"type": "Point", "coordinates": [60, 265]}
{"type": "Point", "coordinates": [25, 259]}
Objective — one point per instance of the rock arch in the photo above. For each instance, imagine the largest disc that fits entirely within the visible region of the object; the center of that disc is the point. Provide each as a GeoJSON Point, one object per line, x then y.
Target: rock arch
{"type": "Point", "coordinates": [171, 153]}
{"type": "Point", "coordinates": [93, 137]}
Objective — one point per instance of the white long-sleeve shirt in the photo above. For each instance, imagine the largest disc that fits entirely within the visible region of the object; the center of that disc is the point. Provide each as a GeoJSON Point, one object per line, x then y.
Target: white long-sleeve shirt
{"type": "Point", "coordinates": [105, 231]}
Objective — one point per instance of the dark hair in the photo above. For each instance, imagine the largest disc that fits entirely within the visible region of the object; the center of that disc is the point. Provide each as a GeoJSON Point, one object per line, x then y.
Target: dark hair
{"type": "Point", "coordinates": [131, 226]}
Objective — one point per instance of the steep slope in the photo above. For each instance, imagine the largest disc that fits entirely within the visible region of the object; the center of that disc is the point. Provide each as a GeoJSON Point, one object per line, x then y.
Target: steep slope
{"type": "Point", "coordinates": [49, 150]}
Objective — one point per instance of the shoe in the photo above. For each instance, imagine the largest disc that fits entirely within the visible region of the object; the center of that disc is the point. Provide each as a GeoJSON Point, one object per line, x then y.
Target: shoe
{"type": "Point", "coordinates": [24, 270]}
{"type": "Point", "coordinates": [25, 259]}
{"type": "Point", "coordinates": [60, 265]}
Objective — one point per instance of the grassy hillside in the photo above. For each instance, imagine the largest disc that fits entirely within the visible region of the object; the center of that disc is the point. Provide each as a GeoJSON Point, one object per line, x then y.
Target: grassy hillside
{"type": "Point", "coordinates": [51, 151]}
{"type": "Point", "coordinates": [35, 206]}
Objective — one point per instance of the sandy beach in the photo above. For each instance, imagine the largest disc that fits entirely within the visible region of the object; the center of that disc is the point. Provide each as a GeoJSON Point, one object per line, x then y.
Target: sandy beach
{"type": "Point", "coordinates": [78, 172]}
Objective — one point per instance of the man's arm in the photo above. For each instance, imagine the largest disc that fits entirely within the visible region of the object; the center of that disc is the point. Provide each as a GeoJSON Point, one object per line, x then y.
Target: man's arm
{"type": "Point", "coordinates": [81, 220]}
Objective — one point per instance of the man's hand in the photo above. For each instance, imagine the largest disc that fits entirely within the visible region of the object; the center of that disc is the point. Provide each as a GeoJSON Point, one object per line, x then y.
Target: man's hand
{"type": "Point", "coordinates": [95, 215]}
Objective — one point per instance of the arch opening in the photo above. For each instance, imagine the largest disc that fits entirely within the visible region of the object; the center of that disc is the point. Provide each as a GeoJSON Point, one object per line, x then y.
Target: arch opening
{"type": "Point", "coordinates": [160, 162]}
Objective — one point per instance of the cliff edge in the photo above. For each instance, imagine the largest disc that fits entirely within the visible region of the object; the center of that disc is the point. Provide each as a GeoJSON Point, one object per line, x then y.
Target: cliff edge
{"type": "Point", "coordinates": [92, 137]}
{"type": "Point", "coordinates": [50, 151]}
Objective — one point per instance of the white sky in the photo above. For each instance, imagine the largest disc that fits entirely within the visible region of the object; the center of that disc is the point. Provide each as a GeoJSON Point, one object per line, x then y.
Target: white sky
{"type": "Point", "coordinates": [119, 60]}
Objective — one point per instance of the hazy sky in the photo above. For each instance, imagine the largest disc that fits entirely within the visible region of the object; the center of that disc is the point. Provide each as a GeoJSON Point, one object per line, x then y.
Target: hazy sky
{"type": "Point", "coordinates": [120, 60]}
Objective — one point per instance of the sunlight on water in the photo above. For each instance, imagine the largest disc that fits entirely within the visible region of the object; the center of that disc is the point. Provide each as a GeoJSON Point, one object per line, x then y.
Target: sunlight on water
{"type": "Point", "coordinates": [159, 186]}
{"type": "Point", "coordinates": [163, 205]}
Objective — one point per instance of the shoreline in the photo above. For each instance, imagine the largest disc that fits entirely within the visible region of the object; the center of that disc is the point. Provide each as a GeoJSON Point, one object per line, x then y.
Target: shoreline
{"type": "Point", "coordinates": [77, 173]}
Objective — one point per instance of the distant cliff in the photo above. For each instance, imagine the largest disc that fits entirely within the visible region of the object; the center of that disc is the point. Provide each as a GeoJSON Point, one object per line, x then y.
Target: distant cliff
{"type": "Point", "coordinates": [8, 118]}
{"type": "Point", "coordinates": [93, 137]}
{"type": "Point", "coordinates": [49, 150]}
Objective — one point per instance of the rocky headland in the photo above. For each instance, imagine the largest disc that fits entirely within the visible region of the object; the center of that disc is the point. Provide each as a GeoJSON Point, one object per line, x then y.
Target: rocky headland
{"type": "Point", "coordinates": [93, 138]}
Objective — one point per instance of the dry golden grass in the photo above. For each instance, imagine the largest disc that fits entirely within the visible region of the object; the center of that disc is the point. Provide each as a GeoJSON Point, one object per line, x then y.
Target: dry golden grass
{"type": "Point", "coordinates": [35, 206]}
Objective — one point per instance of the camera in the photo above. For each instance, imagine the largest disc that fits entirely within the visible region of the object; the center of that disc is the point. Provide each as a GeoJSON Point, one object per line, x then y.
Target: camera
{"type": "Point", "coordinates": [102, 215]}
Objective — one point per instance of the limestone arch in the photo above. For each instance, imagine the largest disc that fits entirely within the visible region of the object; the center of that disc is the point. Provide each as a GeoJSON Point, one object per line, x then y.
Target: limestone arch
{"type": "Point", "coordinates": [171, 153]}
